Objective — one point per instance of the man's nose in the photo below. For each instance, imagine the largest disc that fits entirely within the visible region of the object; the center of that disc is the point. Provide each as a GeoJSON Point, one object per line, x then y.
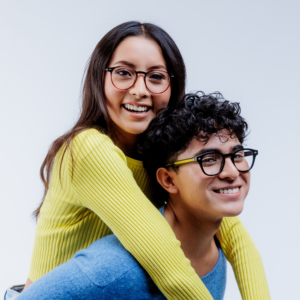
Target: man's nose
{"type": "Point", "coordinates": [139, 89]}
{"type": "Point", "coordinates": [229, 171]}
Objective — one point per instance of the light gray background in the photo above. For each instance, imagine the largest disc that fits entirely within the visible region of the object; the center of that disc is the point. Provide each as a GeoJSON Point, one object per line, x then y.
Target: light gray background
{"type": "Point", "coordinates": [248, 50]}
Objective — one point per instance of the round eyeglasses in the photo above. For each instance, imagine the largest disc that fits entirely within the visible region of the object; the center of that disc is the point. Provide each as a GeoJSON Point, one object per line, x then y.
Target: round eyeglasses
{"type": "Point", "coordinates": [212, 162]}
{"type": "Point", "coordinates": [156, 81]}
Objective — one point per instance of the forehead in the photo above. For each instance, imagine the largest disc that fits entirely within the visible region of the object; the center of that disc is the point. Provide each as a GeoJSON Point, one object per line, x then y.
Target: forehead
{"type": "Point", "coordinates": [139, 51]}
{"type": "Point", "coordinates": [221, 141]}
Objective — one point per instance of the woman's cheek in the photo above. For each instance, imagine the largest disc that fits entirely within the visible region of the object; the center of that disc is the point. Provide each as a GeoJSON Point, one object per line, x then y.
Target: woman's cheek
{"type": "Point", "coordinates": [162, 102]}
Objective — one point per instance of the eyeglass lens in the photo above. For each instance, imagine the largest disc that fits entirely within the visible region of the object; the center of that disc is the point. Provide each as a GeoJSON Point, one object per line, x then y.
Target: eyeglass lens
{"type": "Point", "coordinates": [243, 160]}
{"type": "Point", "coordinates": [156, 81]}
{"type": "Point", "coordinates": [212, 163]}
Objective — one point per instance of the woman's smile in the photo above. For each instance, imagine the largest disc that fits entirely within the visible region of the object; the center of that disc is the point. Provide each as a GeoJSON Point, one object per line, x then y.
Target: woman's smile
{"type": "Point", "coordinates": [137, 110]}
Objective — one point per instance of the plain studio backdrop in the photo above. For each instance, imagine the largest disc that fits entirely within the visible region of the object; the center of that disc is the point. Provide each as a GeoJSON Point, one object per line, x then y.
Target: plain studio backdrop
{"type": "Point", "coordinates": [248, 50]}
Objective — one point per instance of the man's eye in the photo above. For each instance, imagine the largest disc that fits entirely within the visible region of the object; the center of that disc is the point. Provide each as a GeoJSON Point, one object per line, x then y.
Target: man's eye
{"type": "Point", "coordinates": [209, 159]}
{"type": "Point", "coordinates": [238, 157]}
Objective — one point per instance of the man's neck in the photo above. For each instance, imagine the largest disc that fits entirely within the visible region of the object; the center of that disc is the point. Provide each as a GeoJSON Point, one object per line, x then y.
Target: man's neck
{"type": "Point", "coordinates": [196, 234]}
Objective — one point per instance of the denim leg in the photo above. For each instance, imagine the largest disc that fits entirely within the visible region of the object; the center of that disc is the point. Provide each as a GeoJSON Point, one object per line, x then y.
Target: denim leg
{"type": "Point", "coordinates": [11, 294]}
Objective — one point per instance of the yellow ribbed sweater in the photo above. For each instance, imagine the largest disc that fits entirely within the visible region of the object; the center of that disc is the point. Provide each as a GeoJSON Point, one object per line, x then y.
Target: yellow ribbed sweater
{"type": "Point", "coordinates": [105, 193]}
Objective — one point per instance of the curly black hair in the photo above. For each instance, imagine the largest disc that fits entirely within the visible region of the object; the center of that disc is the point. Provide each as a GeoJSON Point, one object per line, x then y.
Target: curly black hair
{"type": "Point", "coordinates": [197, 116]}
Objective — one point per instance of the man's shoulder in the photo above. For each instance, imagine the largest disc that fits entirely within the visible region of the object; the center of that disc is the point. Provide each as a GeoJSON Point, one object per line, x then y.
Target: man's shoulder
{"type": "Point", "coordinates": [105, 261]}
{"type": "Point", "coordinates": [112, 268]}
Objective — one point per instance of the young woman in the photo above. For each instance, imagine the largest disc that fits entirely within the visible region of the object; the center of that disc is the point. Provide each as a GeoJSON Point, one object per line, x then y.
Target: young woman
{"type": "Point", "coordinates": [98, 186]}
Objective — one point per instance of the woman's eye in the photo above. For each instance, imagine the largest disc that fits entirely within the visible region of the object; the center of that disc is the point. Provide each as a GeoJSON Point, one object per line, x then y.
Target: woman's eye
{"type": "Point", "coordinates": [157, 76]}
{"type": "Point", "coordinates": [123, 73]}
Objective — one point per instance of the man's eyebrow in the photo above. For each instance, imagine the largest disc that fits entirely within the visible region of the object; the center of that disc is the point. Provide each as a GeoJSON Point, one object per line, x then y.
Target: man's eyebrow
{"type": "Point", "coordinates": [237, 147]}
{"type": "Point", "coordinates": [206, 150]}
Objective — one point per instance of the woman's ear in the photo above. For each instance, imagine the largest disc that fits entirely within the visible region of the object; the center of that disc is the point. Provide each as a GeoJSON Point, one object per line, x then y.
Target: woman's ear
{"type": "Point", "coordinates": [165, 179]}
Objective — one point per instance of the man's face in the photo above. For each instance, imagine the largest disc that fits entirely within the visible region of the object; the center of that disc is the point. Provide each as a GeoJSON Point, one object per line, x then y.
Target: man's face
{"type": "Point", "coordinates": [200, 194]}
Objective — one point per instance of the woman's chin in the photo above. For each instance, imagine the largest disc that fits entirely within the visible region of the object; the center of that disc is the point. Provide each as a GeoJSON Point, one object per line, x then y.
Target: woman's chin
{"type": "Point", "coordinates": [131, 129]}
{"type": "Point", "coordinates": [136, 130]}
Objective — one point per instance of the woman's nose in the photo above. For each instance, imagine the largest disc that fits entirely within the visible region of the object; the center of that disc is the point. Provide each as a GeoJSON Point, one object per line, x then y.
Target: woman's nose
{"type": "Point", "coordinates": [229, 171]}
{"type": "Point", "coordinates": [139, 89]}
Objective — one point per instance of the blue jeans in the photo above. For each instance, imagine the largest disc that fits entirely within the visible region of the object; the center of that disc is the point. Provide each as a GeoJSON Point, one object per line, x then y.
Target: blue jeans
{"type": "Point", "coordinates": [13, 292]}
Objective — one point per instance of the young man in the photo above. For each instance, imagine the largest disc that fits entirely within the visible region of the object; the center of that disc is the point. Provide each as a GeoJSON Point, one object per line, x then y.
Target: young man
{"type": "Point", "coordinates": [195, 152]}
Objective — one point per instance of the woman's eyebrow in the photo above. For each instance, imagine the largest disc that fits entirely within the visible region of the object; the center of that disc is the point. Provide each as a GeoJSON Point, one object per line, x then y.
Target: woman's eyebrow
{"type": "Point", "coordinates": [124, 62]}
{"type": "Point", "coordinates": [157, 67]}
{"type": "Point", "coordinates": [131, 65]}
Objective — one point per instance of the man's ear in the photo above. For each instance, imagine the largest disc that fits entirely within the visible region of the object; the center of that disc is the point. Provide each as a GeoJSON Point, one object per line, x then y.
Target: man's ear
{"type": "Point", "coordinates": [165, 179]}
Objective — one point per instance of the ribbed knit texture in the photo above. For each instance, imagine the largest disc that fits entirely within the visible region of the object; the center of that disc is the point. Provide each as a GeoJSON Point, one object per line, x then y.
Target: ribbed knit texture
{"type": "Point", "coordinates": [244, 258]}
{"type": "Point", "coordinates": [104, 193]}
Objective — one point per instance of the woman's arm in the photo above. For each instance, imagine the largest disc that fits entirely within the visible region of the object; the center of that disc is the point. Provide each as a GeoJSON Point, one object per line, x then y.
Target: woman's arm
{"type": "Point", "coordinates": [244, 259]}
{"type": "Point", "coordinates": [102, 182]}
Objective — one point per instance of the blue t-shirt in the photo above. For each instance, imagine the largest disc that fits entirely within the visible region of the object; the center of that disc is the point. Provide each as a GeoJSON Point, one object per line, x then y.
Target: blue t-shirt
{"type": "Point", "coordinates": [106, 270]}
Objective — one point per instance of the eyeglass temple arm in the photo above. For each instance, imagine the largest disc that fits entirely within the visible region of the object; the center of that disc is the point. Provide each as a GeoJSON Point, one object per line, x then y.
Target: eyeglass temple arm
{"type": "Point", "coordinates": [182, 162]}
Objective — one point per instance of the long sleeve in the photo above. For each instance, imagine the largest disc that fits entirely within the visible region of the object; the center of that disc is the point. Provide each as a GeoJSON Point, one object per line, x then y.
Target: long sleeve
{"type": "Point", "coordinates": [103, 183]}
{"type": "Point", "coordinates": [244, 258]}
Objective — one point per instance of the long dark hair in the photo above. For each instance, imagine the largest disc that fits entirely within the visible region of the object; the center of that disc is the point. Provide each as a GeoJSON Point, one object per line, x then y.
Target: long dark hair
{"type": "Point", "coordinates": [94, 112]}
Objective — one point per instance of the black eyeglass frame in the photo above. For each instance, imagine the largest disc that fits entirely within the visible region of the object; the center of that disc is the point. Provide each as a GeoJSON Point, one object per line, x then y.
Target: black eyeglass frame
{"type": "Point", "coordinates": [139, 72]}
{"type": "Point", "coordinates": [200, 157]}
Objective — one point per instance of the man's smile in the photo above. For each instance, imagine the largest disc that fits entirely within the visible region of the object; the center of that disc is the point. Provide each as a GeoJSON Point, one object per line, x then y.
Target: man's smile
{"type": "Point", "coordinates": [231, 190]}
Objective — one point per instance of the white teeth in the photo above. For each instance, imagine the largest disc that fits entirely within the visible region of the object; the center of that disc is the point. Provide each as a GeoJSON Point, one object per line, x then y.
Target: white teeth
{"type": "Point", "coordinates": [136, 108]}
{"type": "Point", "coordinates": [229, 191]}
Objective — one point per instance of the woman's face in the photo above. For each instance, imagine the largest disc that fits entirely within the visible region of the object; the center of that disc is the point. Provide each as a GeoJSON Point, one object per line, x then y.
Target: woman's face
{"type": "Point", "coordinates": [141, 54]}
